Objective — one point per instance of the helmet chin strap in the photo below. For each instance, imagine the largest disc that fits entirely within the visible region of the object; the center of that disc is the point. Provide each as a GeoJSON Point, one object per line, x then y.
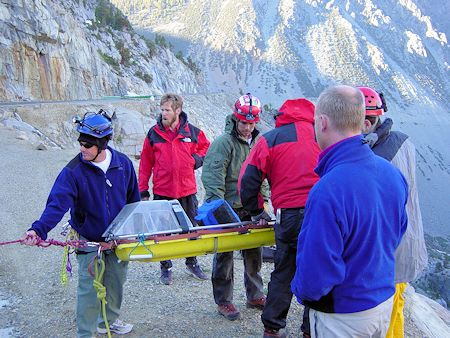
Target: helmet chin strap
{"type": "Point", "coordinates": [98, 153]}
{"type": "Point", "coordinates": [100, 148]}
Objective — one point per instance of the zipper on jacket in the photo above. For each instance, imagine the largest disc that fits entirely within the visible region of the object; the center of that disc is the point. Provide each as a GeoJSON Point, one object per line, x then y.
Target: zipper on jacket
{"type": "Point", "coordinates": [109, 184]}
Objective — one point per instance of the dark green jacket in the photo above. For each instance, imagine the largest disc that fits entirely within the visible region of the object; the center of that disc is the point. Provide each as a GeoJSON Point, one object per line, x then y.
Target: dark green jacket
{"type": "Point", "coordinates": [223, 163]}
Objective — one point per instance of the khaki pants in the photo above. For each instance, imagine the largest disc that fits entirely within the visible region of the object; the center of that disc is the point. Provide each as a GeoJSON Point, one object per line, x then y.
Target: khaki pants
{"type": "Point", "coordinates": [397, 325]}
{"type": "Point", "coordinates": [371, 323]}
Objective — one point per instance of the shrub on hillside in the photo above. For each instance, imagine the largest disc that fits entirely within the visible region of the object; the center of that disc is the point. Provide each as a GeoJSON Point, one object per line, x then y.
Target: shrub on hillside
{"type": "Point", "coordinates": [151, 47]}
{"type": "Point", "coordinates": [144, 76]}
{"type": "Point", "coordinates": [106, 14]}
{"type": "Point", "coordinates": [109, 60]}
{"type": "Point", "coordinates": [161, 41]}
{"type": "Point", "coordinates": [124, 53]}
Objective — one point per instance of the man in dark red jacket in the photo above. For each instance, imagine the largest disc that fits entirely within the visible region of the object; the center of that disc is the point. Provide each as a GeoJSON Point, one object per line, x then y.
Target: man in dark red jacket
{"type": "Point", "coordinates": [172, 150]}
{"type": "Point", "coordinates": [286, 156]}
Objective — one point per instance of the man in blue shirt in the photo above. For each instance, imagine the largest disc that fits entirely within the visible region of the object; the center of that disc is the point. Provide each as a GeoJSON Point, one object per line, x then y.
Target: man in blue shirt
{"type": "Point", "coordinates": [354, 220]}
{"type": "Point", "coordinates": [94, 186]}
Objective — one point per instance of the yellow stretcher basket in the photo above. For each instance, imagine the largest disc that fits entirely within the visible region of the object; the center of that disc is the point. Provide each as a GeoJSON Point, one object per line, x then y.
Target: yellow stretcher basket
{"type": "Point", "coordinates": [179, 247]}
{"type": "Point", "coordinates": [152, 231]}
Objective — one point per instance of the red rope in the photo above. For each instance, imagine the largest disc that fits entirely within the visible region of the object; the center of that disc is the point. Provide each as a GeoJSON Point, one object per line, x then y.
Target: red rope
{"type": "Point", "coordinates": [157, 238]}
{"type": "Point", "coordinates": [45, 244]}
{"type": "Point", "coordinates": [11, 242]}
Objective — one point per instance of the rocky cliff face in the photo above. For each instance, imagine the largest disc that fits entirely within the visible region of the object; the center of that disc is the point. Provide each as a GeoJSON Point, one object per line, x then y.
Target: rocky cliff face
{"type": "Point", "coordinates": [58, 50]}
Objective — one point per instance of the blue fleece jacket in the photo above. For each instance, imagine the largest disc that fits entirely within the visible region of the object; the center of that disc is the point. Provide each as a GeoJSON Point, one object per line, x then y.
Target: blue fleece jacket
{"type": "Point", "coordinates": [355, 217]}
{"type": "Point", "coordinates": [93, 197]}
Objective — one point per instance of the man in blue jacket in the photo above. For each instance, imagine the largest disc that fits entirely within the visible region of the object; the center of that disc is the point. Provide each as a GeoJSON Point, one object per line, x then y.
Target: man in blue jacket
{"type": "Point", "coordinates": [354, 220]}
{"type": "Point", "coordinates": [94, 186]}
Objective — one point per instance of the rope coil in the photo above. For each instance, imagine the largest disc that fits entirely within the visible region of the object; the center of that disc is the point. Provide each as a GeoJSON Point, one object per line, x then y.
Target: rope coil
{"type": "Point", "coordinates": [99, 269]}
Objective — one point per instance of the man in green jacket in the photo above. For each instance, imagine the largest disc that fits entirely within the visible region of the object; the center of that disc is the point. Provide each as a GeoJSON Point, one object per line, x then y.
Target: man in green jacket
{"type": "Point", "coordinates": [220, 175]}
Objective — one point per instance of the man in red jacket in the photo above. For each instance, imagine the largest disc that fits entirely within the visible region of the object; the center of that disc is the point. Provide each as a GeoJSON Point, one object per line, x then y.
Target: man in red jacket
{"type": "Point", "coordinates": [286, 156]}
{"type": "Point", "coordinates": [172, 150]}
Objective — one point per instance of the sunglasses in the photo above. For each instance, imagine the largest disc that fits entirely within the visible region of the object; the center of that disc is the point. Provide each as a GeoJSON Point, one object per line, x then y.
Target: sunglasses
{"type": "Point", "coordinates": [87, 145]}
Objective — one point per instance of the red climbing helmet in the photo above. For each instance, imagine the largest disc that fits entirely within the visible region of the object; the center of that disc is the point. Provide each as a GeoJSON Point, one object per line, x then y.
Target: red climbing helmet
{"type": "Point", "coordinates": [247, 108]}
{"type": "Point", "coordinates": [375, 103]}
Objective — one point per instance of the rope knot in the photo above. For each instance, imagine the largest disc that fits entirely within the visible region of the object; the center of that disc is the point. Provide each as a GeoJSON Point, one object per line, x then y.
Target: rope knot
{"type": "Point", "coordinates": [101, 290]}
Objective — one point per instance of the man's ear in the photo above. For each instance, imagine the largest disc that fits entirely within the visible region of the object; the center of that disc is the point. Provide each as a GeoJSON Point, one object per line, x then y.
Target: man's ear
{"type": "Point", "coordinates": [178, 111]}
{"type": "Point", "coordinates": [324, 122]}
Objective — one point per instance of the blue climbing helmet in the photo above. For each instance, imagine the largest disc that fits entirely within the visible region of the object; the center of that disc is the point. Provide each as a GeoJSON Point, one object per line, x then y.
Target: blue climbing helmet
{"type": "Point", "coordinates": [95, 129]}
{"type": "Point", "coordinates": [98, 124]}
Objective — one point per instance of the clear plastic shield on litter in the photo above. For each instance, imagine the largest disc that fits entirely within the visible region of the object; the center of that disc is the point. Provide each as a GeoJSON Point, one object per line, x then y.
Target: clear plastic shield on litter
{"type": "Point", "coordinates": [146, 218]}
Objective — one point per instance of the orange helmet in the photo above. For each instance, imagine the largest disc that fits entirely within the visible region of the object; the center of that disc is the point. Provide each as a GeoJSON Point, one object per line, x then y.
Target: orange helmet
{"type": "Point", "coordinates": [375, 103]}
{"type": "Point", "coordinates": [247, 108]}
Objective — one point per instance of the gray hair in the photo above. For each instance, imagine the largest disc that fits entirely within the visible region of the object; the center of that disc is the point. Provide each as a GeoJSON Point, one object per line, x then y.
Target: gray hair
{"type": "Point", "coordinates": [345, 107]}
{"type": "Point", "coordinates": [177, 100]}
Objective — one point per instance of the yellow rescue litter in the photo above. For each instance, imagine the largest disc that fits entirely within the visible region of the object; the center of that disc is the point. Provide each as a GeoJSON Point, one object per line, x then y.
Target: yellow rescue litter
{"type": "Point", "coordinates": [167, 248]}
{"type": "Point", "coordinates": [153, 231]}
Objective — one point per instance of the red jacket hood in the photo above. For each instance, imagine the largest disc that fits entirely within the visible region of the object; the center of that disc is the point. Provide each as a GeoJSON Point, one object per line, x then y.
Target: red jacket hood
{"type": "Point", "coordinates": [295, 110]}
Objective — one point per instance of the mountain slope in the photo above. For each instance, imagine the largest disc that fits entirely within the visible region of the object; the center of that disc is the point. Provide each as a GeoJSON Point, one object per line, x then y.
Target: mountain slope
{"type": "Point", "coordinates": [297, 48]}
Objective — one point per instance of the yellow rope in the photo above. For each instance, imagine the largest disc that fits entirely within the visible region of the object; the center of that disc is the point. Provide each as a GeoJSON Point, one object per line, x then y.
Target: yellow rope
{"type": "Point", "coordinates": [101, 289]}
{"type": "Point", "coordinates": [63, 276]}
{"type": "Point", "coordinates": [72, 235]}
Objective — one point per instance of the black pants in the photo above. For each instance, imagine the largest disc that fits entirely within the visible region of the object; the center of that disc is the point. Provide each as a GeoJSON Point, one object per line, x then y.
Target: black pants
{"type": "Point", "coordinates": [222, 276]}
{"type": "Point", "coordinates": [190, 205]}
{"type": "Point", "coordinates": [279, 293]}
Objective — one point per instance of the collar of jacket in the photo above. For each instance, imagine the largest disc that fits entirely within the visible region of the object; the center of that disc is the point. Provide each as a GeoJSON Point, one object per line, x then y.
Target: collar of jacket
{"type": "Point", "coordinates": [384, 130]}
{"type": "Point", "coordinates": [351, 149]}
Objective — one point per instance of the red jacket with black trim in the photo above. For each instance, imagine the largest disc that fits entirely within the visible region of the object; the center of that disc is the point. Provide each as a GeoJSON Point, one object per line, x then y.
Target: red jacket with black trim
{"type": "Point", "coordinates": [172, 162]}
{"type": "Point", "coordinates": [286, 156]}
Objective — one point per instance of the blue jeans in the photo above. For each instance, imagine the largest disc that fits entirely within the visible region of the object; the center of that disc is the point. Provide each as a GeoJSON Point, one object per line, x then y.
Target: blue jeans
{"type": "Point", "coordinates": [89, 314]}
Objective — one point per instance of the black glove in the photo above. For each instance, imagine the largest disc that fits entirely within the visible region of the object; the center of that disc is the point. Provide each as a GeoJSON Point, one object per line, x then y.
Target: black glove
{"type": "Point", "coordinates": [262, 215]}
{"type": "Point", "coordinates": [145, 195]}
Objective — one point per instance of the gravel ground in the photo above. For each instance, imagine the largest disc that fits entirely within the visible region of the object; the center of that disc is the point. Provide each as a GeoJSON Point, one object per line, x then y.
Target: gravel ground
{"type": "Point", "coordinates": [33, 303]}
